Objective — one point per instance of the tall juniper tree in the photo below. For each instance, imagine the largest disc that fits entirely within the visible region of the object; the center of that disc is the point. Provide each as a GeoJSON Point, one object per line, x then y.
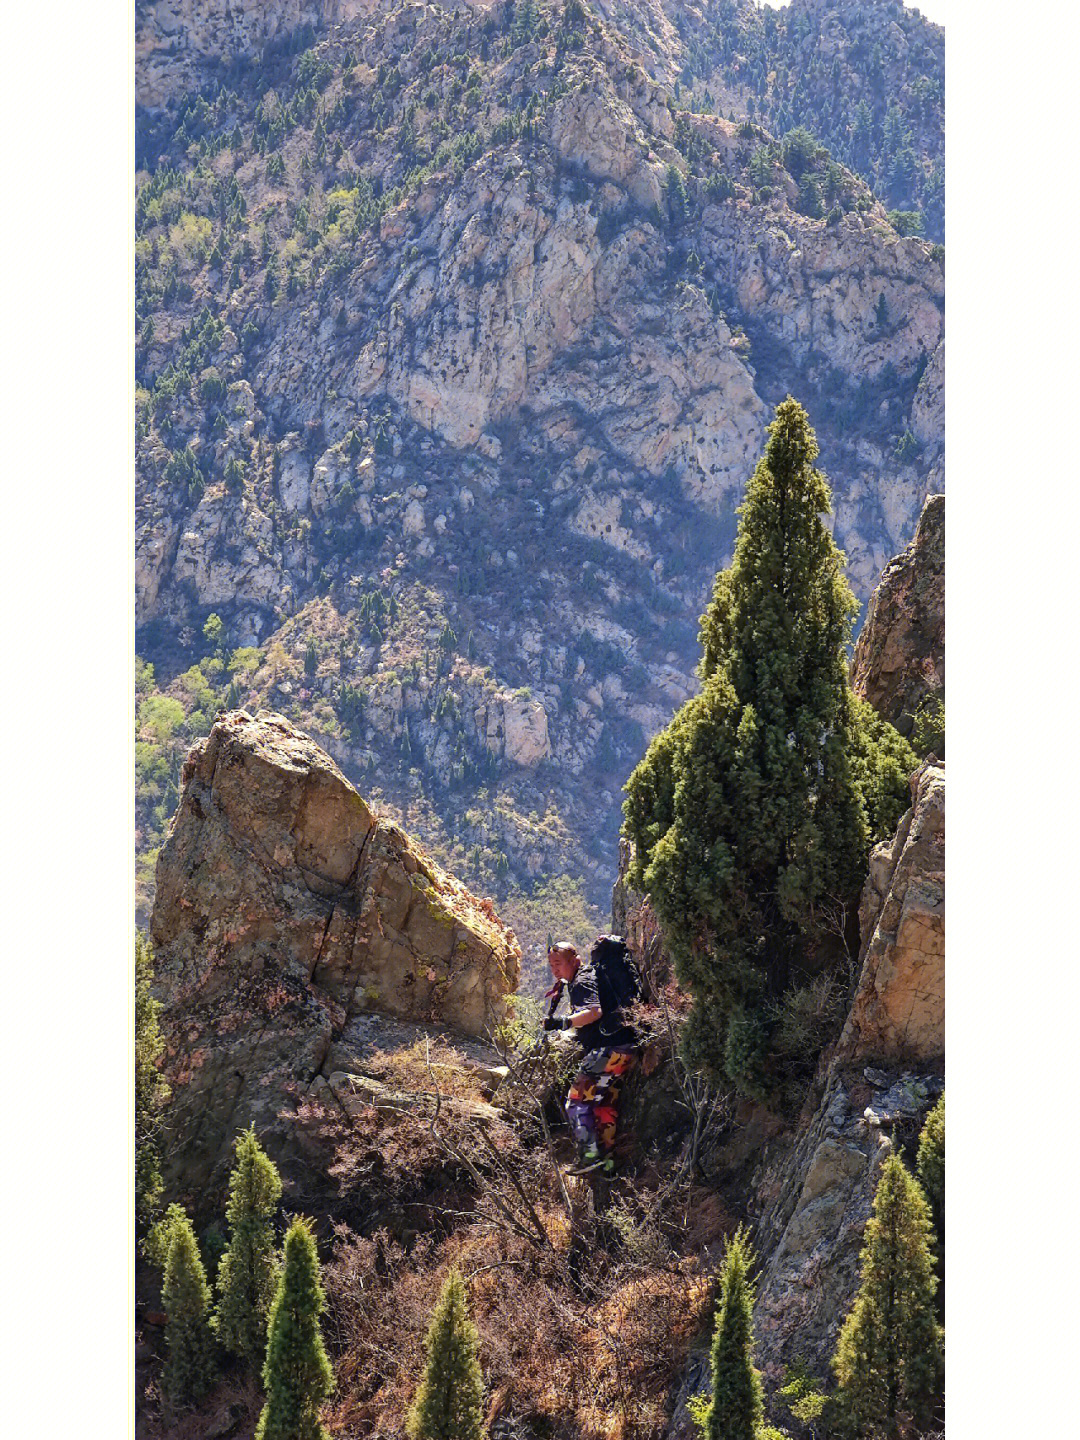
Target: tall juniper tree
{"type": "Point", "coordinates": [888, 1357]}
{"type": "Point", "coordinates": [449, 1402]}
{"type": "Point", "coordinates": [297, 1373]}
{"type": "Point", "coordinates": [247, 1274]}
{"type": "Point", "coordinates": [190, 1367]}
{"type": "Point", "coordinates": [735, 1405]}
{"type": "Point", "coordinates": [754, 810]}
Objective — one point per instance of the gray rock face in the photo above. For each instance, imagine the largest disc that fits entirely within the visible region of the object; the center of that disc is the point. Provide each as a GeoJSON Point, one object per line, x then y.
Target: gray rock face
{"type": "Point", "coordinates": [823, 1195]}
{"type": "Point", "coordinates": [285, 909]}
{"type": "Point", "coordinates": [815, 1201]}
{"type": "Point", "coordinates": [899, 657]}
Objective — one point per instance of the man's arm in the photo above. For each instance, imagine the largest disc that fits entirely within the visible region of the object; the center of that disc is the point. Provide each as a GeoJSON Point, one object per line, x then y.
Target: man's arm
{"type": "Point", "coordinates": [584, 1017]}
{"type": "Point", "coordinates": [588, 1013]}
{"type": "Point", "coordinates": [574, 1021]}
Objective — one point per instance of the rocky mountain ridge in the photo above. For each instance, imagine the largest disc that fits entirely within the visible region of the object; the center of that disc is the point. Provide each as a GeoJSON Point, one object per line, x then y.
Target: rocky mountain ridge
{"type": "Point", "coordinates": [458, 336]}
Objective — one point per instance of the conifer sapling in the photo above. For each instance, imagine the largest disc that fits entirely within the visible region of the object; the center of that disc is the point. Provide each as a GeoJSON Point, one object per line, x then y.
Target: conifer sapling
{"type": "Point", "coordinates": [930, 1164]}
{"type": "Point", "coordinates": [190, 1367]}
{"type": "Point", "coordinates": [889, 1355]}
{"type": "Point", "coordinates": [151, 1091]}
{"type": "Point", "coordinates": [247, 1274]}
{"type": "Point", "coordinates": [449, 1402]}
{"type": "Point", "coordinates": [297, 1373]}
{"type": "Point", "coordinates": [735, 1406]}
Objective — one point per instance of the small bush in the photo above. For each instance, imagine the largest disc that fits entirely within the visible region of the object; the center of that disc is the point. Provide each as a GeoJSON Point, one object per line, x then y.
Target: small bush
{"type": "Point", "coordinates": [247, 1275]}
{"type": "Point", "coordinates": [297, 1374]}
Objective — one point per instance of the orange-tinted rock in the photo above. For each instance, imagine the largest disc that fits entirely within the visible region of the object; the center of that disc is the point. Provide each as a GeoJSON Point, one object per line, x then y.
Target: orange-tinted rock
{"type": "Point", "coordinates": [898, 1013]}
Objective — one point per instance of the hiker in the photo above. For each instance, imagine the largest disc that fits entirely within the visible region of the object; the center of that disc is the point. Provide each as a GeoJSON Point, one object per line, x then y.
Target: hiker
{"type": "Point", "coordinates": [599, 988]}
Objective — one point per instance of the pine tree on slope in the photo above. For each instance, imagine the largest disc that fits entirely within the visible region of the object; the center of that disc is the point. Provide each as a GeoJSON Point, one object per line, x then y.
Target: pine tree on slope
{"type": "Point", "coordinates": [930, 1164]}
{"type": "Point", "coordinates": [889, 1355]}
{"type": "Point", "coordinates": [297, 1373]}
{"type": "Point", "coordinates": [151, 1091]}
{"type": "Point", "coordinates": [247, 1274]}
{"type": "Point", "coordinates": [759, 801]}
{"type": "Point", "coordinates": [735, 1404]}
{"type": "Point", "coordinates": [449, 1402]}
{"type": "Point", "coordinates": [189, 1369]}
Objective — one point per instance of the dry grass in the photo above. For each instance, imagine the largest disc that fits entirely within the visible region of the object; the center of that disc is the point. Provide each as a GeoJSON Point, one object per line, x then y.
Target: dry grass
{"type": "Point", "coordinates": [582, 1340]}
{"type": "Point", "coordinates": [423, 1068]}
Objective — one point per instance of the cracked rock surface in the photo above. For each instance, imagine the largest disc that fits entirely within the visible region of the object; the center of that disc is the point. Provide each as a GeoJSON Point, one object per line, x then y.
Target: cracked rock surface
{"type": "Point", "coordinates": [286, 911]}
{"type": "Point", "coordinates": [899, 658]}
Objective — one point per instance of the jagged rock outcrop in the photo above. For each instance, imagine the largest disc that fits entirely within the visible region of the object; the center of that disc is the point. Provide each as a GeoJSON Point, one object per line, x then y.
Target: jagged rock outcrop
{"type": "Point", "coordinates": [898, 1012]}
{"type": "Point", "coordinates": [818, 1203]}
{"type": "Point", "coordinates": [284, 909]}
{"type": "Point", "coordinates": [899, 657]}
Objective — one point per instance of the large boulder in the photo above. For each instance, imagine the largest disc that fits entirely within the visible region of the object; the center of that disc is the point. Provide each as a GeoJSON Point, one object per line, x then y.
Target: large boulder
{"type": "Point", "coordinates": [284, 909]}
{"type": "Point", "coordinates": [899, 657]}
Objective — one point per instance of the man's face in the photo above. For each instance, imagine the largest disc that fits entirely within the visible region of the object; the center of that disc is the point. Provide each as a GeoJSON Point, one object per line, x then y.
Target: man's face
{"type": "Point", "coordinates": [564, 963]}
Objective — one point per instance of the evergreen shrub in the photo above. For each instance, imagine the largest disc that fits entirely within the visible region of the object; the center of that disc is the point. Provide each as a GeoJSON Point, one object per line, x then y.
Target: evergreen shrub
{"type": "Point", "coordinates": [889, 1355]}
{"type": "Point", "coordinates": [449, 1403]}
{"type": "Point", "coordinates": [248, 1270]}
{"type": "Point", "coordinates": [190, 1368]}
{"type": "Point", "coordinates": [297, 1373]}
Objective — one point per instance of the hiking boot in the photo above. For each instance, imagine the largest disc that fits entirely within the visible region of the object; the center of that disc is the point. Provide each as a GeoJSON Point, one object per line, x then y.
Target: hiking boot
{"type": "Point", "coordinates": [590, 1160]}
{"type": "Point", "coordinates": [593, 1160]}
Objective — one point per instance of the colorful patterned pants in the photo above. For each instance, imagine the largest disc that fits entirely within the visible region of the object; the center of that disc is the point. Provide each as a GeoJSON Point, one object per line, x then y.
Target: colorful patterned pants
{"type": "Point", "coordinates": [592, 1104]}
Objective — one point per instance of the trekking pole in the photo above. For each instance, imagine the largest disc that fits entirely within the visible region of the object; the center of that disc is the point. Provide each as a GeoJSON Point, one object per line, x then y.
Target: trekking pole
{"type": "Point", "coordinates": [543, 1039]}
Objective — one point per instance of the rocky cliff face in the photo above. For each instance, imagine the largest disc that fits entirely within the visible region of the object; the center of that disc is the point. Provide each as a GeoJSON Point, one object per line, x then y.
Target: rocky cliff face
{"type": "Point", "coordinates": [899, 658]}
{"type": "Point", "coordinates": [884, 1075]}
{"type": "Point", "coordinates": [456, 348]}
{"type": "Point", "coordinates": [179, 44]}
{"type": "Point", "coordinates": [898, 1012]}
{"type": "Point", "coordinates": [287, 915]}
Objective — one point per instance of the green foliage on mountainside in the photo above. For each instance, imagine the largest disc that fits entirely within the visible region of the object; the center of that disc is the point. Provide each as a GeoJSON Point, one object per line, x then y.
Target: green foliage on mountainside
{"type": "Point", "coordinates": [867, 80]}
{"type": "Point", "coordinates": [396, 594]}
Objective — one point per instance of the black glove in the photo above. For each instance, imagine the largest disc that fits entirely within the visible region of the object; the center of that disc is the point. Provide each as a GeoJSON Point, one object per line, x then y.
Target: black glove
{"type": "Point", "coordinates": [560, 1022]}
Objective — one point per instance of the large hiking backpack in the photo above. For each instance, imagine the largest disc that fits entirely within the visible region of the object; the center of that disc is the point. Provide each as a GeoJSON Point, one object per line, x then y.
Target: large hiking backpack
{"type": "Point", "coordinates": [618, 979]}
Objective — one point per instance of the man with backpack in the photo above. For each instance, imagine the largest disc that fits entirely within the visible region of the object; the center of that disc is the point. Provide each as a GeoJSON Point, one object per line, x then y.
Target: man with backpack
{"type": "Point", "coordinates": [600, 990]}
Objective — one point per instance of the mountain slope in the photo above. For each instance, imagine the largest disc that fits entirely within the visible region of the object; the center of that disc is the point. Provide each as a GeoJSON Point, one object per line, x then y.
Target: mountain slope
{"type": "Point", "coordinates": [457, 340]}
